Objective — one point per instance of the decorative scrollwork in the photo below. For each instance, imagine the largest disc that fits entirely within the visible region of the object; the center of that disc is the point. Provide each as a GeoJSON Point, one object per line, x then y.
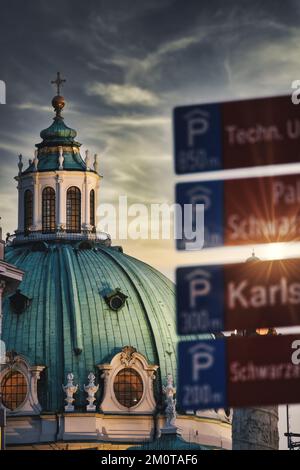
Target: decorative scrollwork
{"type": "Point", "coordinates": [127, 356]}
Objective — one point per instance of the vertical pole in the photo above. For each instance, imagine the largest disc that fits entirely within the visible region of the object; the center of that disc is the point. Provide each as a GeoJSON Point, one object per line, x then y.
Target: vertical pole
{"type": "Point", "coordinates": [2, 428]}
{"type": "Point", "coordinates": [2, 344]}
{"type": "Point", "coordinates": [3, 353]}
{"type": "Point", "coordinates": [2, 287]}
{"type": "Point", "coordinates": [288, 427]}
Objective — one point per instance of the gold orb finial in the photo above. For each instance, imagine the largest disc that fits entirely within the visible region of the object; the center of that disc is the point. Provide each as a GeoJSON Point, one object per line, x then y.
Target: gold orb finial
{"type": "Point", "coordinates": [58, 104]}
{"type": "Point", "coordinates": [58, 101]}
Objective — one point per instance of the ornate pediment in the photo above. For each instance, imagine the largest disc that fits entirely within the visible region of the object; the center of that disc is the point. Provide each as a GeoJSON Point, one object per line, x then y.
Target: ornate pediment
{"type": "Point", "coordinates": [127, 356]}
{"type": "Point", "coordinates": [128, 363]}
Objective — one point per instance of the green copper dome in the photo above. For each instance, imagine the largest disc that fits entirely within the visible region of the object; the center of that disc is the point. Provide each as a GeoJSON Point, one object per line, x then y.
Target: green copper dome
{"type": "Point", "coordinates": [68, 325]}
{"type": "Point", "coordinates": [58, 133]}
{"type": "Point", "coordinates": [54, 137]}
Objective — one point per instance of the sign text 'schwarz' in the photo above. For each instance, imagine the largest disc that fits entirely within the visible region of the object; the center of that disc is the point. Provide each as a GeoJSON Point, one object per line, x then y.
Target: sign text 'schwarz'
{"type": "Point", "coordinates": [239, 371]}
{"type": "Point", "coordinates": [247, 210]}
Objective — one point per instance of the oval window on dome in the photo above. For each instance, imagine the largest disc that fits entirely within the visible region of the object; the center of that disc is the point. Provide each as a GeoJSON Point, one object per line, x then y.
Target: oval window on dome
{"type": "Point", "coordinates": [116, 302]}
{"type": "Point", "coordinates": [13, 390]}
{"type": "Point", "coordinates": [115, 299]}
{"type": "Point", "coordinates": [128, 387]}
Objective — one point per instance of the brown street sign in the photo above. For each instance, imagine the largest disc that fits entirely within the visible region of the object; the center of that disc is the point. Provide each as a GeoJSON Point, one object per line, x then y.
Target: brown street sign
{"type": "Point", "coordinates": [239, 296]}
{"type": "Point", "coordinates": [236, 134]}
{"type": "Point", "coordinates": [239, 371]}
{"type": "Point", "coordinates": [244, 211]}
{"type": "Point", "coordinates": [263, 370]}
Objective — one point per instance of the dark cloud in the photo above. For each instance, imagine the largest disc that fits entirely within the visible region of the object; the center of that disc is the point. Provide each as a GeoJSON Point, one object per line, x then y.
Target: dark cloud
{"type": "Point", "coordinates": [127, 63]}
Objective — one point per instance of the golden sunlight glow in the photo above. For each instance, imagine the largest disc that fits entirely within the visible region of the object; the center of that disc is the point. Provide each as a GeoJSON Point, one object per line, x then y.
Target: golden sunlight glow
{"type": "Point", "coordinates": [262, 331]}
{"type": "Point", "coordinates": [275, 251]}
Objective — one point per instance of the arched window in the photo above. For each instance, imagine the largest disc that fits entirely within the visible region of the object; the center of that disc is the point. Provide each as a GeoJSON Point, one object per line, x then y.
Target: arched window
{"type": "Point", "coordinates": [14, 390]}
{"type": "Point", "coordinates": [73, 209]}
{"type": "Point", "coordinates": [128, 383]}
{"type": "Point", "coordinates": [48, 210]}
{"type": "Point", "coordinates": [92, 208]}
{"type": "Point", "coordinates": [128, 387]}
{"type": "Point", "coordinates": [28, 210]}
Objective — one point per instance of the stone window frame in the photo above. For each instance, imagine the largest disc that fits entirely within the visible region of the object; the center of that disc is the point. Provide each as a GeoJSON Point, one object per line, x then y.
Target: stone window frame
{"type": "Point", "coordinates": [128, 358]}
{"type": "Point", "coordinates": [30, 405]}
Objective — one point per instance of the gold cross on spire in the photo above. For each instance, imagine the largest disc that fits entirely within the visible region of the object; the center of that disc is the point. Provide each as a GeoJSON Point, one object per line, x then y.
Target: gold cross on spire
{"type": "Point", "coordinates": [58, 82]}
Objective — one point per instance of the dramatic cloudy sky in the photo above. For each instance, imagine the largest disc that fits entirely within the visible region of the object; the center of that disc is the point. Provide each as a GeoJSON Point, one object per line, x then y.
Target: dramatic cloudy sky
{"type": "Point", "coordinates": [127, 64]}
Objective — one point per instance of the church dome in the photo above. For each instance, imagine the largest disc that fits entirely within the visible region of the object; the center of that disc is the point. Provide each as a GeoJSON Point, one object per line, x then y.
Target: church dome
{"type": "Point", "coordinates": [90, 332]}
{"type": "Point", "coordinates": [58, 133]}
{"type": "Point", "coordinates": [55, 139]}
{"type": "Point", "coordinates": [67, 323]}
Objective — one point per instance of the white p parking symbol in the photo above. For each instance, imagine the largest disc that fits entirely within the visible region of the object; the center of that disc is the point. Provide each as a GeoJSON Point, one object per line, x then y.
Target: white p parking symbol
{"type": "Point", "coordinates": [2, 92]}
{"type": "Point", "coordinates": [197, 124]}
{"type": "Point", "coordinates": [199, 285]}
{"type": "Point", "coordinates": [202, 359]}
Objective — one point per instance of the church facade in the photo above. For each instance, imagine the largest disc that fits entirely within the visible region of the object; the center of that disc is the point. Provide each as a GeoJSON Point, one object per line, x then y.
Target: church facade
{"type": "Point", "coordinates": [90, 332]}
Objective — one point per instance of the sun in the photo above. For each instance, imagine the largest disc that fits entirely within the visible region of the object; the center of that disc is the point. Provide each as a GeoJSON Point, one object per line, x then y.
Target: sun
{"type": "Point", "coordinates": [275, 251]}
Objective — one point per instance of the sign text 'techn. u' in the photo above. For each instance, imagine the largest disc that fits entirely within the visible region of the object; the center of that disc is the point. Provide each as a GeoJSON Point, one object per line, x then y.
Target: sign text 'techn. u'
{"type": "Point", "coordinates": [237, 134]}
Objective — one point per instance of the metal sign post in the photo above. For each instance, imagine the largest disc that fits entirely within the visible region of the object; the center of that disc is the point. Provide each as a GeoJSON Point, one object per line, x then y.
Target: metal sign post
{"type": "Point", "coordinates": [2, 428]}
